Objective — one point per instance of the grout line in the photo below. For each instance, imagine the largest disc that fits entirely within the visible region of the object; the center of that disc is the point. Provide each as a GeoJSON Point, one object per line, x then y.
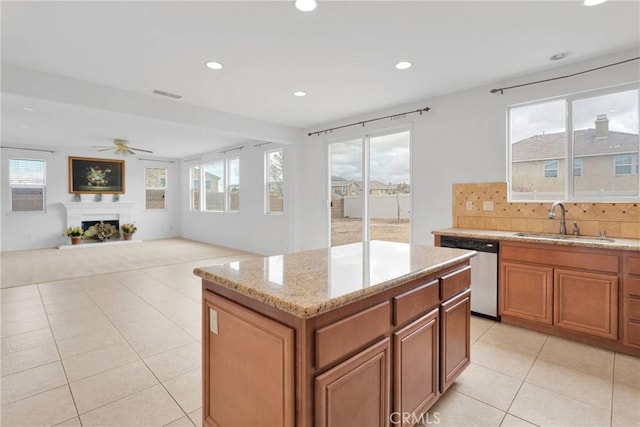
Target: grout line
{"type": "Point", "coordinates": [613, 386]}
{"type": "Point", "coordinates": [525, 377]}
{"type": "Point", "coordinates": [138, 355]}
{"type": "Point", "coordinates": [64, 370]}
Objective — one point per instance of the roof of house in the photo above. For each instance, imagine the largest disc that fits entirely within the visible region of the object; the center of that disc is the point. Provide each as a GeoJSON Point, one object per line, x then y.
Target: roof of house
{"type": "Point", "coordinates": [343, 182]}
{"type": "Point", "coordinates": [377, 185]}
{"type": "Point", "coordinates": [554, 145]}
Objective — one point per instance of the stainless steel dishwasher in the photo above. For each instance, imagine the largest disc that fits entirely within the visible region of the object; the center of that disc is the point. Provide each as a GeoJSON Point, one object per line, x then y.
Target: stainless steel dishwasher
{"type": "Point", "coordinates": [484, 273]}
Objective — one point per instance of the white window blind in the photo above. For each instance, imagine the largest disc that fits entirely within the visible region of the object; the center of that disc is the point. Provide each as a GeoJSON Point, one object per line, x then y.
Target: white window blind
{"type": "Point", "coordinates": [27, 179]}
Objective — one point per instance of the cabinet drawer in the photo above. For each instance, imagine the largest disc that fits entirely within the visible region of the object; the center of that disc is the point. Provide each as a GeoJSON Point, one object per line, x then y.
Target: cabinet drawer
{"type": "Point", "coordinates": [351, 334]}
{"type": "Point", "coordinates": [633, 264]}
{"type": "Point", "coordinates": [632, 286]}
{"type": "Point", "coordinates": [455, 282]}
{"type": "Point", "coordinates": [633, 333]}
{"type": "Point", "coordinates": [409, 305]}
{"type": "Point", "coordinates": [605, 260]}
{"type": "Point", "coordinates": [634, 309]}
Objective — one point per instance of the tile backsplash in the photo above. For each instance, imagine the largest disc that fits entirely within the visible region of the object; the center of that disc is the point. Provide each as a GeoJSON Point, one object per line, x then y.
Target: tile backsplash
{"type": "Point", "coordinates": [484, 206]}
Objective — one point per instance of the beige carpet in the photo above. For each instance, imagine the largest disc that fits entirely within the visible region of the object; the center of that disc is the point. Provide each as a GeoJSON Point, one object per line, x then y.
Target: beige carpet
{"type": "Point", "coordinates": [46, 265]}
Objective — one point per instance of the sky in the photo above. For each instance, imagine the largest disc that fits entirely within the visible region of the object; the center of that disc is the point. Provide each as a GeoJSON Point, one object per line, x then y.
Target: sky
{"type": "Point", "coordinates": [389, 159]}
{"type": "Point", "coordinates": [549, 117]}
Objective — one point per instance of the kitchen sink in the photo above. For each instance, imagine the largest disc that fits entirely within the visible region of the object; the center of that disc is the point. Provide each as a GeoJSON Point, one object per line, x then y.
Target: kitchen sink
{"type": "Point", "coordinates": [565, 237]}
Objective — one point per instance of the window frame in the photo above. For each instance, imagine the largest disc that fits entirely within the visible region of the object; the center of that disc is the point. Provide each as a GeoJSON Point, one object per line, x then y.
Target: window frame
{"type": "Point", "coordinates": [228, 185]}
{"type": "Point", "coordinates": [579, 159]}
{"type": "Point", "coordinates": [203, 179]}
{"type": "Point", "coordinates": [192, 187]}
{"type": "Point", "coordinates": [164, 198]}
{"type": "Point", "coordinates": [203, 185]}
{"type": "Point", "coordinates": [268, 182]}
{"type": "Point", "coordinates": [555, 169]}
{"type": "Point", "coordinates": [569, 193]}
{"type": "Point", "coordinates": [633, 164]}
{"type": "Point", "coordinates": [28, 186]}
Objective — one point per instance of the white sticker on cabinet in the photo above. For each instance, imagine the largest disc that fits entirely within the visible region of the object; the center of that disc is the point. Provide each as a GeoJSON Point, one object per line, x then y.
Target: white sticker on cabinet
{"type": "Point", "coordinates": [213, 321]}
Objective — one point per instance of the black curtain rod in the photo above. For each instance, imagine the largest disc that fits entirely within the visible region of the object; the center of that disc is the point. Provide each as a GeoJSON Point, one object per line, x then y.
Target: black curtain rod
{"type": "Point", "coordinates": [394, 116]}
{"type": "Point", "coordinates": [502, 89]}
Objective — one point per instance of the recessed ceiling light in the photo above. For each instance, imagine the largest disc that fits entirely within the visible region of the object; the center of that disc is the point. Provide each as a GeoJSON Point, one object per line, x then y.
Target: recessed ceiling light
{"type": "Point", "coordinates": [299, 93]}
{"type": "Point", "coordinates": [27, 109]}
{"type": "Point", "coordinates": [403, 65]}
{"type": "Point", "coordinates": [559, 56]}
{"type": "Point", "coordinates": [593, 2]}
{"type": "Point", "coordinates": [306, 5]}
{"type": "Point", "coordinates": [214, 65]}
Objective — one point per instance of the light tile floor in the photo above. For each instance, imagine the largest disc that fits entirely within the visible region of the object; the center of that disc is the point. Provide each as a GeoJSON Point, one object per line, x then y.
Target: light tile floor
{"type": "Point", "coordinates": [123, 349]}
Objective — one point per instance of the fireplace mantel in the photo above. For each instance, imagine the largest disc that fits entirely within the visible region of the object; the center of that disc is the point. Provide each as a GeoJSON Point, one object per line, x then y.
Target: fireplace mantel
{"type": "Point", "coordinates": [78, 212]}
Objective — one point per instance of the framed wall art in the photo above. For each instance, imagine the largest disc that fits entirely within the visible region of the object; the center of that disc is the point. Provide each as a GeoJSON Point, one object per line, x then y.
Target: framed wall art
{"type": "Point", "coordinates": [96, 176]}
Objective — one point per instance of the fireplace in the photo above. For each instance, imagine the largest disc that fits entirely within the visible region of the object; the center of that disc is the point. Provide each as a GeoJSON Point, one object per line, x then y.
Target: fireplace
{"type": "Point", "coordinates": [114, 213]}
{"type": "Point", "coordinates": [87, 224]}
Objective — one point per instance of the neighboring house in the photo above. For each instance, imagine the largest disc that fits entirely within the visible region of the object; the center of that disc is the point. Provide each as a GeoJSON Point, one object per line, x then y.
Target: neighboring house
{"type": "Point", "coordinates": [344, 187]}
{"type": "Point", "coordinates": [377, 188]}
{"type": "Point", "coordinates": [604, 162]}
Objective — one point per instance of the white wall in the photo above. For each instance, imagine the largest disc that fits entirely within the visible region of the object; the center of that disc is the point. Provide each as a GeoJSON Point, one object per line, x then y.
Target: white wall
{"type": "Point", "coordinates": [26, 230]}
{"type": "Point", "coordinates": [250, 229]}
{"type": "Point", "coordinates": [462, 139]}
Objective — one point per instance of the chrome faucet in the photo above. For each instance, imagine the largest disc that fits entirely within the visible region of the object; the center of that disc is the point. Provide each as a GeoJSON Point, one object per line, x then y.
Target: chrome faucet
{"type": "Point", "coordinates": [552, 215]}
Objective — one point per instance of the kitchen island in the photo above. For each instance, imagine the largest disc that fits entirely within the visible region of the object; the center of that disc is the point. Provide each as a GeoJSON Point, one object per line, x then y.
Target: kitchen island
{"type": "Point", "coordinates": [361, 334]}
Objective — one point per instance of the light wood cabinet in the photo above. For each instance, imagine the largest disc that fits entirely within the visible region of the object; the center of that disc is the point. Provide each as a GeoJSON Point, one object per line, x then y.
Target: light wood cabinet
{"type": "Point", "coordinates": [248, 364]}
{"type": "Point", "coordinates": [357, 391]}
{"type": "Point", "coordinates": [416, 364]}
{"type": "Point", "coordinates": [455, 350]}
{"type": "Point", "coordinates": [397, 350]}
{"type": "Point", "coordinates": [586, 302]}
{"type": "Point", "coordinates": [526, 292]}
{"type": "Point", "coordinates": [589, 295]}
{"type": "Point", "coordinates": [631, 300]}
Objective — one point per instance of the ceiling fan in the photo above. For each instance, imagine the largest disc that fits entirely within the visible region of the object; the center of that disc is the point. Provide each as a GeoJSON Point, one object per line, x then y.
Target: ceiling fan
{"type": "Point", "coordinates": [121, 147]}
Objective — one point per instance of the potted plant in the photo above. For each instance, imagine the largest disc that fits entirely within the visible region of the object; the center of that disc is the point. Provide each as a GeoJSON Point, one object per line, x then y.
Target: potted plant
{"type": "Point", "coordinates": [128, 230]}
{"type": "Point", "coordinates": [76, 234]}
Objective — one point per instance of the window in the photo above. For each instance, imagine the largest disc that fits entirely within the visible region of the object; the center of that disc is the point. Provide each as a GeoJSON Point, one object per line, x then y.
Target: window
{"type": "Point", "coordinates": [274, 181]}
{"type": "Point", "coordinates": [233, 185]}
{"type": "Point", "coordinates": [626, 164]}
{"type": "Point", "coordinates": [216, 196]}
{"type": "Point", "coordinates": [551, 169]}
{"type": "Point", "coordinates": [214, 180]}
{"type": "Point", "coordinates": [575, 140]}
{"type": "Point", "coordinates": [27, 182]}
{"type": "Point", "coordinates": [577, 167]}
{"type": "Point", "coordinates": [195, 188]}
{"type": "Point", "coordinates": [155, 184]}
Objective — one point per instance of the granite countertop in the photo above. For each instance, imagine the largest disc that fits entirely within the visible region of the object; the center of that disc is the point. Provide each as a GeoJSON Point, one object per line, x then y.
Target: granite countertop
{"type": "Point", "coordinates": [310, 283]}
{"type": "Point", "coordinates": [583, 241]}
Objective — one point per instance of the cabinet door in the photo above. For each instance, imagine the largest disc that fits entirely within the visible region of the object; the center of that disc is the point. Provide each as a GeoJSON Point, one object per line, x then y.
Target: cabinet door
{"type": "Point", "coordinates": [455, 345]}
{"type": "Point", "coordinates": [356, 392]}
{"type": "Point", "coordinates": [586, 302]}
{"type": "Point", "coordinates": [526, 291]}
{"type": "Point", "coordinates": [248, 367]}
{"type": "Point", "coordinates": [416, 365]}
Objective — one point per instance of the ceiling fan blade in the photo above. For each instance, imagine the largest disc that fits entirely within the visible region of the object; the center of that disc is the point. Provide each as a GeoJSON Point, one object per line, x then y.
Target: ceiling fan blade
{"type": "Point", "coordinates": [106, 149]}
{"type": "Point", "coordinates": [131, 152]}
{"type": "Point", "coordinates": [141, 149]}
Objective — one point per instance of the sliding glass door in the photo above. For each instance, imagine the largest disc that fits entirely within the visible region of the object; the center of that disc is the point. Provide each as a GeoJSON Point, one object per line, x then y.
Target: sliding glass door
{"type": "Point", "coordinates": [370, 188]}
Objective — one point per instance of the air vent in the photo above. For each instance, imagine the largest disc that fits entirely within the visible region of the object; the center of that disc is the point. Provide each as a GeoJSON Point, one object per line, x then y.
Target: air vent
{"type": "Point", "coordinates": [170, 95]}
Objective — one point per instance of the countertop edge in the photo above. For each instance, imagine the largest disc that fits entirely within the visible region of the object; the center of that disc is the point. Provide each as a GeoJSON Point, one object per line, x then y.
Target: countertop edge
{"type": "Point", "coordinates": [618, 244]}
{"type": "Point", "coordinates": [313, 310]}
